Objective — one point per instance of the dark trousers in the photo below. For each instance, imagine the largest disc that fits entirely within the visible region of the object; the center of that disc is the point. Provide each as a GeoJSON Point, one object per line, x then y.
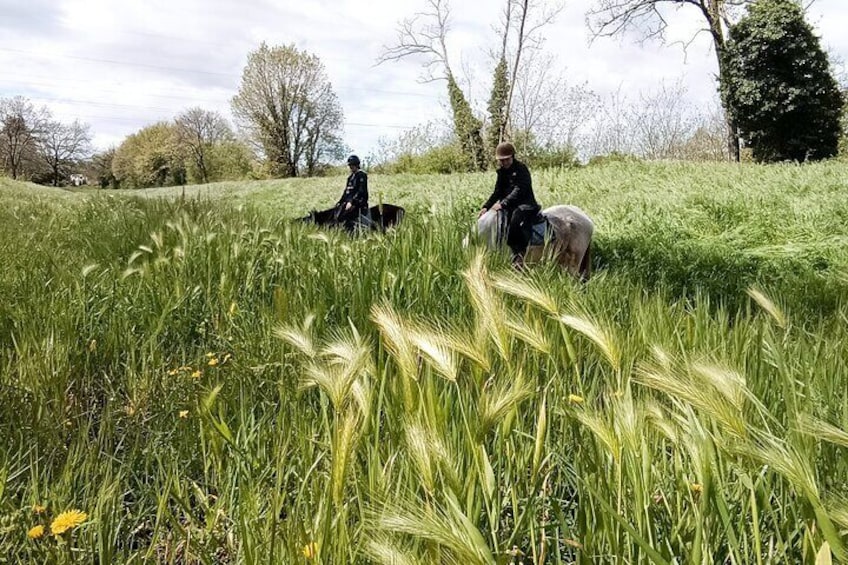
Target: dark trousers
{"type": "Point", "coordinates": [520, 228]}
{"type": "Point", "coordinates": [348, 218]}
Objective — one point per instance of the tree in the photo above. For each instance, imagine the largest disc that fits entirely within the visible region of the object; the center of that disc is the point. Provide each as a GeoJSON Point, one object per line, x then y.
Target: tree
{"type": "Point", "coordinates": [100, 168]}
{"type": "Point", "coordinates": [779, 85]}
{"type": "Point", "coordinates": [497, 106]}
{"type": "Point", "coordinates": [547, 106]}
{"type": "Point", "coordinates": [526, 38]}
{"type": "Point", "coordinates": [21, 126]}
{"type": "Point", "coordinates": [425, 34]}
{"type": "Point", "coordinates": [149, 157]}
{"type": "Point", "coordinates": [287, 107]}
{"type": "Point", "coordinates": [197, 132]}
{"type": "Point", "coordinates": [63, 145]}
{"type": "Point", "coordinates": [611, 17]}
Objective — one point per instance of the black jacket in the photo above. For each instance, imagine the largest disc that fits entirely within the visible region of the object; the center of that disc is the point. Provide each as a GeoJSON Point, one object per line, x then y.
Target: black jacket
{"type": "Point", "coordinates": [356, 191]}
{"type": "Point", "coordinates": [513, 188]}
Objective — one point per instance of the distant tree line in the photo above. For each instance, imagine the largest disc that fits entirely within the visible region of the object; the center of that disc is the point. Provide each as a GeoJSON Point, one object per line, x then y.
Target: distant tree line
{"type": "Point", "coordinates": [776, 99]}
{"type": "Point", "coordinates": [34, 146]}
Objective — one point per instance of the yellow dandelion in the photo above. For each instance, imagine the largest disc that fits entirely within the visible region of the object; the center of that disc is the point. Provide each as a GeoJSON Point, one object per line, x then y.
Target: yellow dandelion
{"type": "Point", "coordinates": [35, 532]}
{"type": "Point", "coordinates": [67, 521]}
{"type": "Point", "coordinates": [310, 550]}
{"type": "Point", "coordinates": [38, 509]}
{"type": "Point", "coordinates": [210, 355]}
{"type": "Point", "coordinates": [183, 413]}
{"type": "Point", "coordinates": [213, 362]}
{"type": "Point", "coordinates": [197, 374]}
{"type": "Point", "coordinates": [696, 488]}
{"type": "Point", "coordinates": [172, 372]}
{"type": "Point", "coordinates": [575, 399]}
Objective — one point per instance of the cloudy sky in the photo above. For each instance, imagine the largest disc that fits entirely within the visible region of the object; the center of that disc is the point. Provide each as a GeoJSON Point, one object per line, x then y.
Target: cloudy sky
{"type": "Point", "coordinates": [121, 65]}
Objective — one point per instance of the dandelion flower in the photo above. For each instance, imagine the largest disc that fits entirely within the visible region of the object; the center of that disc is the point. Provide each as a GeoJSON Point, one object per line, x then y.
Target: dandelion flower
{"type": "Point", "coordinates": [210, 355]}
{"type": "Point", "coordinates": [183, 413]}
{"type": "Point", "coordinates": [197, 374]}
{"type": "Point", "coordinates": [35, 532]}
{"type": "Point", "coordinates": [696, 488]}
{"type": "Point", "coordinates": [38, 509]}
{"type": "Point", "coordinates": [213, 362]}
{"type": "Point", "coordinates": [575, 399]}
{"type": "Point", "coordinates": [67, 521]}
{"type": "Point", "coordinates": [172, 372]}
{"type": "Point", "coordinates": [310, 550]}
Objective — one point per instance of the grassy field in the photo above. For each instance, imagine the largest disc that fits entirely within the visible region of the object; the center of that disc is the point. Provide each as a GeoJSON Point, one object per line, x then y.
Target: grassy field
{"type": "Point", "coordinates": [210, 382]}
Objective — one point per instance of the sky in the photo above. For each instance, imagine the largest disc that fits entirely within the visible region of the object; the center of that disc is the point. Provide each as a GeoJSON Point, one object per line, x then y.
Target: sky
{"type": "Point", "coordinates": [122, 65]}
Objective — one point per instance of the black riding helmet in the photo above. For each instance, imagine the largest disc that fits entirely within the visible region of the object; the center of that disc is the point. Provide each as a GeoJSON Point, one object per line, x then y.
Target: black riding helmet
{"type": "Point", "coordinates": [353, 160]}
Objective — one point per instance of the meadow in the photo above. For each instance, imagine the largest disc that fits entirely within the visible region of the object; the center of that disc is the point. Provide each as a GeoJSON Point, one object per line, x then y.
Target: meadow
{"type": "Point", "coordinates": [208, 381]}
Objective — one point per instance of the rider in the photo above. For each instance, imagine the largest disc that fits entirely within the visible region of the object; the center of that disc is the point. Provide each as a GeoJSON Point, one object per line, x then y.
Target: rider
{"type": "Point", "coordinates": [354, 200]}
{"type": "Point", "coordinates": [514, 195]}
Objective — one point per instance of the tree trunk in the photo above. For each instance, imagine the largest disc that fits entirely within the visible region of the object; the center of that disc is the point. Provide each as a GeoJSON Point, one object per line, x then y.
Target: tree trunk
{"type": "Point", "coordinates": [713, 15]}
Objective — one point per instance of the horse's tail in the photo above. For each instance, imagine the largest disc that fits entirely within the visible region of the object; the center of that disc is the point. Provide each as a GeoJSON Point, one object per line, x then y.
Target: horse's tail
{"type": "Point", "coordinates": [586, 264]}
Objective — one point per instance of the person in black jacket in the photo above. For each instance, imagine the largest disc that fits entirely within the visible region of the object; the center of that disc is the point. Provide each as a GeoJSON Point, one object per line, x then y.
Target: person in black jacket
{"type": "Point", "coordinates": [514, 195]}
{"type": "Point", "coordinates": [354, 200]}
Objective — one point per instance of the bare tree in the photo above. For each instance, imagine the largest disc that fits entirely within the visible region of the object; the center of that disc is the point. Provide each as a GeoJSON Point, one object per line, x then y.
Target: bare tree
{"type": "Point", "coordinates": [63, 145]}
{"type": "Point", "coordinates": [199, 130]}
{"type": "Point", "coordinates": [547, 106]}
{"type": "Point", "coordinates": [612, 129]}
{"type": "Point", "coordinates": [611, 17]}
{"type": "Point", "coordinates": [664, 120]}
{"type": "Point", "coordinates": [285, 94]}
{"type": "Point", "coordinates": [21, 126]}
{"type": "Point", "coordinates": [532, 15]}
{"type": "Point", "coordinates": [425, 34]}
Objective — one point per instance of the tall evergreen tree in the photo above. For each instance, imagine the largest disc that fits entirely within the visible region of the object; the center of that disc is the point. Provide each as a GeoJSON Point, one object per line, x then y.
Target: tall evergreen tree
{"type": "Point", "coordinates": [468, 127]}
{"type": "Point", "coordinates": [497, 106]}
{"type": "Point", "coordinates": [779, 85]}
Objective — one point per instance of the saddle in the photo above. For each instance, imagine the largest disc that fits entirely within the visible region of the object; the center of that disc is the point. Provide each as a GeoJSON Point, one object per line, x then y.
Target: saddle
{"type": "Point", "coordinates": [540, 232]}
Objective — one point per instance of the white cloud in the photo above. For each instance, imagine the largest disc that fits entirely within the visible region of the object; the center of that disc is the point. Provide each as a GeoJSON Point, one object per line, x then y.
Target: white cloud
{"type": "Point", "coordinates": [122, 65]}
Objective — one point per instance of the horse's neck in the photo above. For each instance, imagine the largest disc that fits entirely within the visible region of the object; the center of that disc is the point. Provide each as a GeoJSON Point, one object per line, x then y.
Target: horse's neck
{"type": "Point", "coordinates": [487, 227]}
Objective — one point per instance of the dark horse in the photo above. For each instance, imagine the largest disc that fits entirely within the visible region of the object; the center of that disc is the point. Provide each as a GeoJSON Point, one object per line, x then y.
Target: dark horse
{"type": "Point", "coordinates": [380, 217]}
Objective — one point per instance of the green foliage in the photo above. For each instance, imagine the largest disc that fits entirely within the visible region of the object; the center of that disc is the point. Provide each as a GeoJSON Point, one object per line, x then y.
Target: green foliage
{"type": "Point", "coordinates": [467, 127]}
{"type": "Point", "coordinates": [150, 157]}
{"type": "Point", "coordinates": [99, 168]}
{"type": "Point", "coordinates": [779, 86]}
{"type": "Point", "coordinates": [614, 157]}
{"type": "Point", "coordinates": [441, 159]}
{"type": "Point", "coordinates": [843, 137]}
{"type": "Point", "coordinates": [538, 156]}
{"type": "Point", "coordinates": [286, 104]}
{"type": "Point", "coordinates": [212, 383]}
{"type": "Point", "coordinates": [497, 106]}
{"type": "Point", "coordinates": [225, 160]}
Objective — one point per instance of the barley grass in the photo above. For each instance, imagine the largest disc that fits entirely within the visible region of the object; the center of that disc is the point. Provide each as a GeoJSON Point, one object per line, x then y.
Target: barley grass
{"type": "Point", "coordinates": [209, 382]}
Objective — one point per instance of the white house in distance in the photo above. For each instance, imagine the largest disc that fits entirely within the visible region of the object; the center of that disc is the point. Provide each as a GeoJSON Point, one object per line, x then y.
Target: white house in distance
{"type": "Point", "coordinates": [78, 179]}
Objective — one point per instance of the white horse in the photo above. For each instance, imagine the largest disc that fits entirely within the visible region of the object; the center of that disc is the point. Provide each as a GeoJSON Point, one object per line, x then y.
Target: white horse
{"type": "Point", "coordinates": [566, 236]}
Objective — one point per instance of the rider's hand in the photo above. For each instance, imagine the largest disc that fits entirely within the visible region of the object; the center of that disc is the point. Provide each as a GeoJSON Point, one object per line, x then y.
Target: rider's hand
{"type": "Point", "coordinates": [348, 206]}
{"type": "Point", "coordinates": [482, 211]}
{"type": "Point", "coordinates": [496, 207]}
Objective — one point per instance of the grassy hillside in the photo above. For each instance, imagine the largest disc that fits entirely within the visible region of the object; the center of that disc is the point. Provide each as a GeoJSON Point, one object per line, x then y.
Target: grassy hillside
{"type": "Point", "coordinates": [211, 382]}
